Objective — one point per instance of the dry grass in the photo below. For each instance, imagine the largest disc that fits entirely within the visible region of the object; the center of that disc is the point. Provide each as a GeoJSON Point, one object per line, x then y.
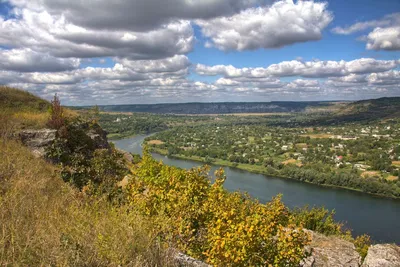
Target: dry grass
{"type": "Point", "coordinates": [155, 142]}
{"type": "Point", "coordinates": [370, 174]}
{"type": "Point", "coordinates": [396, 163]}
{"type": "Point", "coordinates": [292, 161]}
{"type": "Point", "coordinates": [45, 222]}
{"type": "Point", "coordinates": [392, 178]}
{"type": "Point", "coordinates": [22, 110]}
{"type": "Point", "coordinates": [314, 136]}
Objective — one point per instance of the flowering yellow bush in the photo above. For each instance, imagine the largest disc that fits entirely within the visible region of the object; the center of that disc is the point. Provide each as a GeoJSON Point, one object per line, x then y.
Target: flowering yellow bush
{"type": "Point", "coordinates": [211, 224]}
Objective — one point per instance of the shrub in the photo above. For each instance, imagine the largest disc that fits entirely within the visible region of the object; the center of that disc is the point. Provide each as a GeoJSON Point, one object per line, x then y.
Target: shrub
{"type": "Point", "coordinates": [211, 224]}
{"type": "Point", "coordinates": [57, 119]}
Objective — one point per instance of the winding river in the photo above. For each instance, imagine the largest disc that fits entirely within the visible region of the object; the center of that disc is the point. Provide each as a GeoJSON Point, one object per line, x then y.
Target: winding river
{"type": "Point", "coordinates": [378, 217]}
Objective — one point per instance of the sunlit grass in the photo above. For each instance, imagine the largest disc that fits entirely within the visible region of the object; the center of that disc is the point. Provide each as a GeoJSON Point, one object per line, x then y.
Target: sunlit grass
{"type": "Point", "coordinates": [45, 222]}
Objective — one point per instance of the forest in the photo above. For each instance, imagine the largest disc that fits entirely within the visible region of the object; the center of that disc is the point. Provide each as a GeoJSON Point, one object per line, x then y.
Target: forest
{"type": "Point", "coordinates": [362, 157]}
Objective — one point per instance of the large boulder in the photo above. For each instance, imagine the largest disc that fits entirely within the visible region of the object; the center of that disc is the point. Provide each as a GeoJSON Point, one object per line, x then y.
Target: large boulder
{"type": "Point", "coordinates": [97, 134]}
{"type": "Point", "coordinates": [382, 255]}
{"type": "Point", "coordinates": [331, 251]}
{"type": "Point", "coordinates": [37, 140]}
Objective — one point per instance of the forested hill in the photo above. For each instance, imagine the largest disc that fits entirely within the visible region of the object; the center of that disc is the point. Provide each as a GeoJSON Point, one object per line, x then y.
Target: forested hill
{"type": "Point", "coordinates": [382, 108]}
{"type": "Point", "coordinates": [219, 108]}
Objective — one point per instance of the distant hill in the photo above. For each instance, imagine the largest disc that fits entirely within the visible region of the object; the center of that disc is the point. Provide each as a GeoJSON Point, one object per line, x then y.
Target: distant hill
{"type": "Point", "coordinates": [381, 108]}
{"type": "Point", "coordinates": [218, 108]}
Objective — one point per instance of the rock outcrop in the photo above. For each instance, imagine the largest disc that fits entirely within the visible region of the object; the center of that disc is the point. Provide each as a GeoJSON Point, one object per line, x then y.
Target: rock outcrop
{"type": "Point", "coordinates": [98, 135]}
{"type": "Point", "coordinates": [37, 140]}
{"type": "Point", "coordinates": [185, 260]}
{"type": "Point", "coordinates": [382, 255]}
{"type": "Point", "coordinates": [331, 251]}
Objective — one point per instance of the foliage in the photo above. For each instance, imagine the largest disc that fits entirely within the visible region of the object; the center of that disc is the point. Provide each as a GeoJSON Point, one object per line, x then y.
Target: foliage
{"type": "Point", "coordinates": [45, 222]}
{"type": "Point", "coordinates": [321, 155]}
{"type": "Point", "coordinates": [209, 223]}
{"type": "Point", "coordinates": [317, 219]}
{"type": "Point", "coordinates": [362, 243]}
{"type": "Point", "coordinates": [57, 119]}
{"type": "Point", "coordinates": [83, 163]}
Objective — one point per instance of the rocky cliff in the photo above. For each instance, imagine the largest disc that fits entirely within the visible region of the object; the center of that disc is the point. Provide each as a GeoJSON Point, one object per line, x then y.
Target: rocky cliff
{"type": "Point", "coordinates": [38, 140]}
{"type": "Point", "coordinates": [331, 251]}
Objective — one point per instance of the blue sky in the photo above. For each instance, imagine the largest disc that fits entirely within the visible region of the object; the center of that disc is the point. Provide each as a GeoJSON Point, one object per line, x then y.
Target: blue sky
{"type": "Point", "coordinates": [121, 52]}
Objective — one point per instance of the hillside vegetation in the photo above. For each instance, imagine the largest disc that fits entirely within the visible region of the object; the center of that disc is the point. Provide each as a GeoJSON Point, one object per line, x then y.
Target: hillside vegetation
{"type": "Point", "coordinates": [374, 109]}
{"type": "Point", "coordinates": [22, 110]}
{"type": "Point", "coordinates": [71, 212]}
{"type": "Point", "coordinates": [46, 222]}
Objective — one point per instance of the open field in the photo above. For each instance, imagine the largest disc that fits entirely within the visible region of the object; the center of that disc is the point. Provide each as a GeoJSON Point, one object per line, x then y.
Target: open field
{"type": "Point", "coordinates": [317, 135]}
{"type": "Point", "coordinates": [155, 142]}
{"type": "Point", "coordinates": [396, 163]}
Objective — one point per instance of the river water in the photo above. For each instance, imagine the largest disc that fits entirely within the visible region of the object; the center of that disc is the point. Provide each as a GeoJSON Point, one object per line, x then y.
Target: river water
{"type": "Point", "coordinates": [376, 216]}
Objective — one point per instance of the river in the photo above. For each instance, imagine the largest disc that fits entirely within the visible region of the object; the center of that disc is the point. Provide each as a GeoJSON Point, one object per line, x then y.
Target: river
{"type": "Point", "coordinates": [376, 216]}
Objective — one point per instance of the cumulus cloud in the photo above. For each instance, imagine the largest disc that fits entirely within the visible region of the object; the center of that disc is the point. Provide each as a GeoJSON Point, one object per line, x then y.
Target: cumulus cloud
{"type": "Point", "coordinates": [319, 69]}
{"type": "Point", "coordinates": [384, 39]}
{"type": "Point", "coordinates": [283, 23]}
{"type": "Point", "coordinates": [386, 78]}
{"type": "Point", "coordinates": [138, 15]}
{"type": "Point", "coordinates": [360, 26]}
{"type": "Point", "coordinates": [136, 51]}
{"type": "Point", "coordinates": [53, 34]}
{"type": "Point", "coordinates": [384, 36]}
{"type": "Point", "coordinates": [172, 64]}
{"type": "Point", "coordinates": [26, 60]}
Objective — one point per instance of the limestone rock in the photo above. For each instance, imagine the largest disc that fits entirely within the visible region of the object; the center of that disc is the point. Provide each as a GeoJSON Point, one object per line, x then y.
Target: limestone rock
{"type": "Point", "coordinates": [382, 255]}
{"type": "Point", "coordinates": [331, 251]}
{"type": "Point", "coordinates": [37, 140]}
{"type": "Point", "coordinates": [97, 134]}
{"type": "Point", "coordinates": [185, 260]}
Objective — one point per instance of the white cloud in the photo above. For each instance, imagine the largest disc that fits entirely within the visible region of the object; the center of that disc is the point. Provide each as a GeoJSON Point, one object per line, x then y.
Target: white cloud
{"type": "Point", "coordinates": [318, 69]}
{"type": "Point", "coordinates": [137, 15]}
{"type": "Point", "coordinates": [26, 60]}
{"type": "Point", "coordinates": [360, 26]}
{"type": "Point", "coordinates": [384, 39]}
{"type": "Point", "coordinates": [283, 23]}
{"type": "Point", "coordinates": [172, 64]}
{"type": "Point", "coordinates": [386, 78]}
{"type": "Point", "coordinates": [54, 34]}
{"type": "Point", "coordinates": [384, 36]}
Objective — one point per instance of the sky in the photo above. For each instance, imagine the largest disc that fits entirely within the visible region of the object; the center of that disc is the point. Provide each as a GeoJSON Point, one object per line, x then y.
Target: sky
{"type": "Point", "coordinates": [169, 51]}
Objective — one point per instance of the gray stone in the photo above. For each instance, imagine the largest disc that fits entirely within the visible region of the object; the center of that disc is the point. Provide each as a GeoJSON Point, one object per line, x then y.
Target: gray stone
{"type": "Point", "coordinates": [37, 140]}
{"type": "Point", "coordinates": [331, 251]}
{"type": "Point", "coordinates": [382, 255]}
{"type": "Point", "coordinates": [185, 260]}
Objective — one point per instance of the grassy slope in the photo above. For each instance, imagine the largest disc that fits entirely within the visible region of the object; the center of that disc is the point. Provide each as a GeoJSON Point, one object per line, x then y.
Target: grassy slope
{"type": "Point", "coordinates": [46, 222]}
{"type": "Point", "coordinates": [22, 110]}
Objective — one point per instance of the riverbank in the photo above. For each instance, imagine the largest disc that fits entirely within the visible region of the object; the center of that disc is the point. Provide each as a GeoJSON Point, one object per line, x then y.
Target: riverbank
{"type": "Point", "coordinates": [115, 137]}
{"type": "Point", "coordinates": [260, 170]}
